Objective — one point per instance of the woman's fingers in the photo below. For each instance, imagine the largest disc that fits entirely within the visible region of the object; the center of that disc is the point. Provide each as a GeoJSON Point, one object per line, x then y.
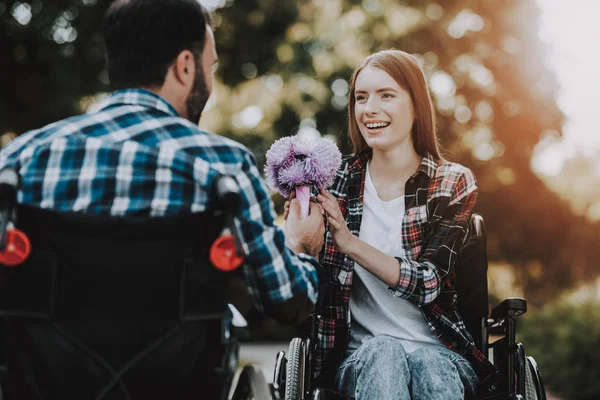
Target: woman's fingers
{"type": "Point", "coordinates": [328, 197]}
{"type": "Point", "coordinates": [337, 217]}
{"type": "Point", "coordinates": [333, 223]}
{"type": "Point", "coordinates": [328, 194]}
{"type": "Point", "coordinates": [328, 206]}
{"type": "Point", "coordinates": [326, 200]}
{"type": "Point", "coordinates": [331, 207]}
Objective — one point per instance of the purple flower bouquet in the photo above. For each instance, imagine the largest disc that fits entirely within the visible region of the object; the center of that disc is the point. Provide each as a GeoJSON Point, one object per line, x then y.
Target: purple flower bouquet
{"type": "Point", "coordinates": [296, 163]}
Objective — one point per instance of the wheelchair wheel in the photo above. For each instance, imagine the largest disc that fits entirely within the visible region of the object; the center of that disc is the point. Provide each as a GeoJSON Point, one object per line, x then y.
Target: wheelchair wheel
{"type": "Point", "coordinates": [530, 392]}
{"type": "Point", "coordinates": [534, 388]}
{"type": "Point", "coordinates": [294, 380]}
{"type": "Point", "coordinates": [251, 385]}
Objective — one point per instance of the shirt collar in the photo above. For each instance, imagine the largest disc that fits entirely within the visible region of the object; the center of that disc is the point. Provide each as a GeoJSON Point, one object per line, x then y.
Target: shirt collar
{"type": "Point", "coordinates": [139, 97]}
{"type": "Point", "coordinates": [428, 165]}
{"type": "Point", "coordinates": [358, 163]}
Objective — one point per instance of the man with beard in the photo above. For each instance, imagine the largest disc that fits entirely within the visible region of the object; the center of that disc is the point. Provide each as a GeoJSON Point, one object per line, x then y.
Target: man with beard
{"type": "Point", "coordinates": [142, 153]}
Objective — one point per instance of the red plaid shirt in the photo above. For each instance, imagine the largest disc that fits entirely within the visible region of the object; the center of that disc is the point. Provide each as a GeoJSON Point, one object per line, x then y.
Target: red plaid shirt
{"type": "Point", "coordinates": [439, 201]}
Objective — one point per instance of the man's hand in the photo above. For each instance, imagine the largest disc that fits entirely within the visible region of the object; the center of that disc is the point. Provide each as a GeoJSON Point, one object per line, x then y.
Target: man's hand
{"type": "Point", "coordinates": [304, 235]}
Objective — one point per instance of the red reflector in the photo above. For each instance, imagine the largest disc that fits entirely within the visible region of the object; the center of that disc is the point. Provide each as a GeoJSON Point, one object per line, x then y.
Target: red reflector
{"type": "Point", "coordinates": [17, 248]}
{"type": "Point", "coordinates": [223, 255]}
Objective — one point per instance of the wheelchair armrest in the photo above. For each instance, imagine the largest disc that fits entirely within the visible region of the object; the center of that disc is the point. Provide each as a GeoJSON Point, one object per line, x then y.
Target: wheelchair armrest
{"type": "Point", "coordinates": [511, 307]}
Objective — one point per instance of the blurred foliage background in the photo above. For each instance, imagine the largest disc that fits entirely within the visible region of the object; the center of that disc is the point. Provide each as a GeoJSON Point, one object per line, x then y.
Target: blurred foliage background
{"type": "Point", "coordinates": [284, 68]}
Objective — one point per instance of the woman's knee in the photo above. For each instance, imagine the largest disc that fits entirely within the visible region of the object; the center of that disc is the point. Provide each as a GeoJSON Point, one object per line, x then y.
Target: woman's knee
{"type": "Point", "coordinates": [385, 352]}
{"type": "Point", "coordinates": [431, 355]}
{"type": "Point", "coordinates": [382, 348]}
{"type": "Point", "coordinates": [440, 370]}
{"type": "Point", "coordinates": [382, 371]}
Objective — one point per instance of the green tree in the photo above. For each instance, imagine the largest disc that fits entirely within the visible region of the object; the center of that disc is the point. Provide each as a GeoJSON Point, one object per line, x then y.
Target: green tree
{"type": "Point", "coordinates": [495, 98]}
{"type": "Point", "coordinates": [284, 66]}
{"type": "Point", "coordinates": [52, 57]}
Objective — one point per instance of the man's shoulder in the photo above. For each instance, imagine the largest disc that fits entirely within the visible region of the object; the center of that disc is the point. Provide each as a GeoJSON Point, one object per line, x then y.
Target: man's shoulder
{"type": "Point", "coordinates": [194, 136]}
{"type": "Point", "coordinates": [34, 136]}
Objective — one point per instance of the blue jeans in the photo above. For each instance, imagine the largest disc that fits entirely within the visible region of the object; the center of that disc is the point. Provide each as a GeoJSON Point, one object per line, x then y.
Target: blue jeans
{"type": "Point", "coordinates": [380, 369]}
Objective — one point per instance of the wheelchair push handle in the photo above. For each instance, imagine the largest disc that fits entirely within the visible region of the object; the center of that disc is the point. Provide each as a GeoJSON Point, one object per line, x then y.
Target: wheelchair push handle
{"type": "Point", "coordinates": [229, 198]}
{"type": "Point", "coordinates": [226, 252]}
{"type": "Point", "coordinates": [228, 194]}
{"type": "Point", "coordinates": [14, 244]}
{"type": "Point", "coordinates": [9, 185]}
{"type": "Point", "coordinates": [477, 225]}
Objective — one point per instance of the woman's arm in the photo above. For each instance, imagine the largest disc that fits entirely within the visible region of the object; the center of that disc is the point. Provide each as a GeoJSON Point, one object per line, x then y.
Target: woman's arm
{"type": "Point", "coordinates": [420, 281]}
{"type": "Point", "coordinates": [376, 262]}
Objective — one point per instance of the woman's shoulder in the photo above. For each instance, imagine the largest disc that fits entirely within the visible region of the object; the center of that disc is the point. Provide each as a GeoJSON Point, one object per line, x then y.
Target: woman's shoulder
{"type": "Point", "coordinates": [457, 178]}
{"type": "Point", "coordinates": [451, 169]}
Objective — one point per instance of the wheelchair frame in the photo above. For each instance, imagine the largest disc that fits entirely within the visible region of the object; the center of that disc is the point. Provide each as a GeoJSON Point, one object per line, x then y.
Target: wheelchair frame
{"type": "Point", "coordinates": [250, 382]}
{"type": "Point", "coordinates": [519, 377]}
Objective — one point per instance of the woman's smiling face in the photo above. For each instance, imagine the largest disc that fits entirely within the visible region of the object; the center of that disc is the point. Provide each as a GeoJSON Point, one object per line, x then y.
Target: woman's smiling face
{"type": "Point", "coordinates": [383, 110]}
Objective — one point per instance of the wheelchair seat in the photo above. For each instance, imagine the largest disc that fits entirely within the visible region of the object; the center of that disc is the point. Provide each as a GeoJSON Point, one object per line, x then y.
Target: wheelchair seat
{"type": "Point", "coordinates": [117, 308]}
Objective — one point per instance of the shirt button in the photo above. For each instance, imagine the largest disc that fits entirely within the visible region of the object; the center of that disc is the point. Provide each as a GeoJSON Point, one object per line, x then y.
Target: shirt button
{"type": "Point", "coordinates": [454, 344]}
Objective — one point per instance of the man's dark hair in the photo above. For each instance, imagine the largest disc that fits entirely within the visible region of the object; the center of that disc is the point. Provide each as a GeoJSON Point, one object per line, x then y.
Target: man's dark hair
{"type": "Point", "coordinates": [143, 37]}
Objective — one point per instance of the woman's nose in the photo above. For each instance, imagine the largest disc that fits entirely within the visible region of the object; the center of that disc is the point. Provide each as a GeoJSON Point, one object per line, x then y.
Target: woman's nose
{"type": "Point", "coordinates": [371, 107]}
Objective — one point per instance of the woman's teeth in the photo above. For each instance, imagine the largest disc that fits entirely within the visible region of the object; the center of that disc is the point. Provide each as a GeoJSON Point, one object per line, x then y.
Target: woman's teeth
{"type": "Point", "coordinates": [377, 125]}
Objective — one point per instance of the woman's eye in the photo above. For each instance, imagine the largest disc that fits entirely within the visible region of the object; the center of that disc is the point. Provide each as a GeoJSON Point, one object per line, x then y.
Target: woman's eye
{"type": "Point", "coordinates": [387, 96]}
{"type": "Point", "coordinates": [360, 98]}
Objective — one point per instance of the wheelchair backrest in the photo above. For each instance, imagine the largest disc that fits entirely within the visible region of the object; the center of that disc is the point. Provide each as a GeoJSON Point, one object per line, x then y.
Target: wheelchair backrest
{"type": "Point", "coordinates": [137, 268]}
{"type": "Point", "coordinates": [471, 280]}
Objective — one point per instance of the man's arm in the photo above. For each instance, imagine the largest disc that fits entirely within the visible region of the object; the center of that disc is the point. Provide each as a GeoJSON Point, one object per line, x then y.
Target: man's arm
{"type": "Point", "coordinates": [281, 284]}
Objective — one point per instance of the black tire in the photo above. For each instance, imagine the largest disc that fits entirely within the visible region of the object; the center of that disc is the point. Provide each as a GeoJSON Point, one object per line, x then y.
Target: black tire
{"type": "Point", "coordinates": [294, 380]}
{"type": "Point", "coordinates": [252, 385]}
{"type": "Point", "coordinates": [536, 377]}
{"type": "Point", "coordinates": [530, 386]}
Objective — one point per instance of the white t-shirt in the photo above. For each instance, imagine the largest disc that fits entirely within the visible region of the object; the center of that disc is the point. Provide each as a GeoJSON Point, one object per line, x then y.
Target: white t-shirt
{"type": "Point", "coordinates": [373, 309]}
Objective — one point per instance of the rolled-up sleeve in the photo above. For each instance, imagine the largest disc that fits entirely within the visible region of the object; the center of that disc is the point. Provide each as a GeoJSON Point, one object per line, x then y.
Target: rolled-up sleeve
{"type": "Point", "coordinates": [273, 273]}
{"type": "Point", "coordinates": [421, 281]}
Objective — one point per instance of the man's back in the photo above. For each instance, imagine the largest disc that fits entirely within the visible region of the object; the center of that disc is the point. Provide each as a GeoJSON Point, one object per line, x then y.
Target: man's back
{"type": "Point", "coordinates": [134, 156]}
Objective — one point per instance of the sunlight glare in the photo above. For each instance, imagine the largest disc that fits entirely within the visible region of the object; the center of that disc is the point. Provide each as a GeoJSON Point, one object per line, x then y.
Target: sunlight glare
{"type": "Point", "coordinates": [571, 29]}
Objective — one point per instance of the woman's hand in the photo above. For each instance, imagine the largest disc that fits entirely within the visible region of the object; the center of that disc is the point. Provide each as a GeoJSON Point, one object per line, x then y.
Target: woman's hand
{"type": "Point", "coordinates": [342, 237]}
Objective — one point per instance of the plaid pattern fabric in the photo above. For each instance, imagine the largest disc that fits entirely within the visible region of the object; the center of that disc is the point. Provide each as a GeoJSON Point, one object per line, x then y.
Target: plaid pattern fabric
{"type": "Point", "coordinates": [439, 200]}
{"type": "Point", "coordinates": [136, 156]}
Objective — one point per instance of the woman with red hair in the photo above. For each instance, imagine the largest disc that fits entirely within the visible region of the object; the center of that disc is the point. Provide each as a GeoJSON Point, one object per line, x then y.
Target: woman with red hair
{"type": "Point", "coordinates": [397, 216]}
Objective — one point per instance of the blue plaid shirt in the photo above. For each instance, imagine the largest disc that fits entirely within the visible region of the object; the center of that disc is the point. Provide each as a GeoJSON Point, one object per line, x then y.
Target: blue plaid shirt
{"type": "Point", "coordinates": [136, 156]}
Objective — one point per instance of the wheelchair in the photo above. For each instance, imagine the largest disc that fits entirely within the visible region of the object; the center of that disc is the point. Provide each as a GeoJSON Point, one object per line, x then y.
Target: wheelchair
{"type": "Point", "coordinates": [119, 308]}
{"type": "Point", "coordinates": [519, 376]}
